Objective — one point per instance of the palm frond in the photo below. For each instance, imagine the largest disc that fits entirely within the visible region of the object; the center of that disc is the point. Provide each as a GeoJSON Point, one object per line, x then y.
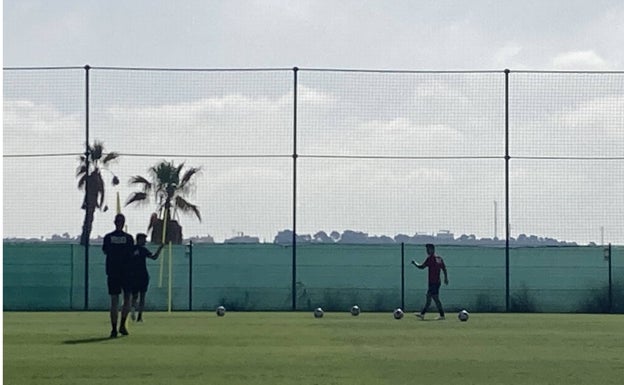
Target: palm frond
{"type": "Point", "coordinates": [82, 169]}
{"type": "Point", "coordinates": [82, 181]}
{"type": "Point", "coordinates": [188, 175]}
{"type": "Point", "coordinates": [164, 173]}
{"type": "Point", "coordinates": [178, 169]}
{"type": "Point", "coordinates": [110, 156]}
{"type": "Point", "coordinates": [146, 185]}
{"type": "Point", "coordinates": [186, 207]}
{"type": "Point", "coordinates": [97, 150]}
{"type": "Point", "coordinates": [136, 197]}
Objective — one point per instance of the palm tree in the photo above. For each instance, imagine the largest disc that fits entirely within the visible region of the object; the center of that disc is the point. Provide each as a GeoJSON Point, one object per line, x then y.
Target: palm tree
{"type": "Point", "coordinates": [169, 186]}
{"type": "Point", "coordinates": [90, 180]}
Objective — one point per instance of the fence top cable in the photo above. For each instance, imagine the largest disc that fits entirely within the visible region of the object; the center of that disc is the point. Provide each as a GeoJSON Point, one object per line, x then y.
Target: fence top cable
{"type": "Point", "coordinates": [310, 69]}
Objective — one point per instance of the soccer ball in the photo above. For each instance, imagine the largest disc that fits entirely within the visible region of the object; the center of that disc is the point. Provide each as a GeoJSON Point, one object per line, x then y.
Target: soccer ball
{"type": "Point", "coordinates": [220, 311]}
{"type": "Point", "coordinates": [355, 310]}
{"type": "Point", "coordinates": [318, 313]}
{"type": "Point", "coordinates": [398, 313]}
{"type": "Point", "coordinates": [463, 315]}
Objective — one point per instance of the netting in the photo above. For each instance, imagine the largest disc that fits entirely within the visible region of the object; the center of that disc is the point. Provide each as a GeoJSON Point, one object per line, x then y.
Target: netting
{"type": "Point", "coordinates": [344, 157]}
{"type": "Point", "coordinates": [379, 152]}
{"type": "Point", "coordinates": [567, 148]}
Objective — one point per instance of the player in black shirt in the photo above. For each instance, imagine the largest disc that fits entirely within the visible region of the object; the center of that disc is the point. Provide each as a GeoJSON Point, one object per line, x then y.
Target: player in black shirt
{"type": "Point", "coordinates": [118, 247]}
{"type": "Point", "coordinates": [140, 275]}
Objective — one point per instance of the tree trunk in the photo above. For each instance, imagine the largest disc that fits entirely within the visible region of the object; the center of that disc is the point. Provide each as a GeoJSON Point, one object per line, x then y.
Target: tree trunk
{"type": "Point", "coordinates": [87, 225]}
{"type": "Point", "coordinates": [173, 235]}
{"type": "Point", "coordinates": [94, 189]}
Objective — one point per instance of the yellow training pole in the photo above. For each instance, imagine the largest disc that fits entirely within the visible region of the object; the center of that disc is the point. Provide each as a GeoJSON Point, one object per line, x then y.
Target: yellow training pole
{"type": "Point", "coordinates": [127, 325]}
{"type": "Point", "coordinates": [170, 276]}
{"type": "Point", "coordinates": [118, 204]}
{"type": "Point", "coordinates": [162, 260]}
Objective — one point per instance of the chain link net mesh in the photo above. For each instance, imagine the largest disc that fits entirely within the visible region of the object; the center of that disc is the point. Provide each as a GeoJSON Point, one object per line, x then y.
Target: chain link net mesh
{"type": "Point", "coordinates": [375, 158]}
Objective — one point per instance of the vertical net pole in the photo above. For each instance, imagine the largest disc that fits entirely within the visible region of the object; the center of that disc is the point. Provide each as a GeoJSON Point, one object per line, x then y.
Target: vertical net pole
{"type": "Point", "coordinates": [294, 204]}
{"type": "Point", "coordinates": [86, 278]}
{"type": "Point", "coordinates": [71, 277]}
{"type": "Point", "coordinates": [610, 282]}
{"type": "Point", "coordinates": [190, 275]}
{"type": "Point", "coordinates": [507, 227]}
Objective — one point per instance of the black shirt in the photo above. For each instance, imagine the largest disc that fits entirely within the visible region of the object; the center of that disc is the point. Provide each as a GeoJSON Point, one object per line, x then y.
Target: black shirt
{"type": "Point", "coordinates": [118, 247]}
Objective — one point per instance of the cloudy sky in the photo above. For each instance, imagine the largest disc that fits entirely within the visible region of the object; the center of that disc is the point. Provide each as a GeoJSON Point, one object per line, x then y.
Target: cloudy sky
{"type": "Point", "coordinates": [533, 34]}
{"type": "Point", "coordinates": [340, 114]}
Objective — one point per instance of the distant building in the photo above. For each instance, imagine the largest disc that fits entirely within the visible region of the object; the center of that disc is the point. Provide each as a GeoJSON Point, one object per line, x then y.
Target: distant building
{"type": "Point", "coordinates": [242, 238]}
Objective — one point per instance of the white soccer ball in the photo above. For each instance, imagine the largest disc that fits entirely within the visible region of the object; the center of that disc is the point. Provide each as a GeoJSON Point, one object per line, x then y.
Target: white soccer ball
{"type": "Point", "coordinates": [355, 310]}
{"type": "Point", "coordinates": [463, 315]}
{"type": "Point", "coordinates": [221, 311]}
{"type": "Point", "coordinates": [318, 312]}
{"type": "Point", "coordinates": [398, 313]}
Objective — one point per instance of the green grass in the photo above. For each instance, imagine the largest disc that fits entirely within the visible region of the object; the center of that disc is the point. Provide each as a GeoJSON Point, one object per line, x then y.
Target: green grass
{"type": "Point", "coordinates": [295, 348]}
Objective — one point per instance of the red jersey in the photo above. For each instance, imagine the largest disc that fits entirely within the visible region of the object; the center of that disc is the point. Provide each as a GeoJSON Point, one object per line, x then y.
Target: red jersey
{"type": "Point", "coordinates": [435, 263]}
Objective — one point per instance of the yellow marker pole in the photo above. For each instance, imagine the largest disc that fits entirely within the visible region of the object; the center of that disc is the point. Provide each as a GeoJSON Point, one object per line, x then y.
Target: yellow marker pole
{"type": "Point", "coordinates": [162, 260]}
{"type": "Point", "coordinates": [127, 324]}
{"type": "Point", "coordinates": [170, 278]}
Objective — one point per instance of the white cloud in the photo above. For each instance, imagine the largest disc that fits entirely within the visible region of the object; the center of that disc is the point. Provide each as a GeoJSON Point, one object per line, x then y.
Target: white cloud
{"type": "Point", "coordinates": [311, 96]}
{"type": "Point", "coordinates": [580, 60]}
{"type": "Point", "coordinates": [31, 128]}
{"type": "Point", "coordinates": [508, 55]}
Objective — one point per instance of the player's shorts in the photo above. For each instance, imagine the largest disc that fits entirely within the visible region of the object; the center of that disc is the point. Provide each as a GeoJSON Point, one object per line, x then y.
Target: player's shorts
{"type": "Point", "coordinates": [117, 283]}
{"type": "Point", "coordinates": [434, 289]}
{"type": "Point", "coordinates": [140, 284]}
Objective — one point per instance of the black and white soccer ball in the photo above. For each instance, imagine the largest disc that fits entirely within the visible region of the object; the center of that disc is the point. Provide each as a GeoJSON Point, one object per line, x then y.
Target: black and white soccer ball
{"type": "Point", "coordinates": [463, 315]}
{"type": "Point", "coordinates": [318, 313]}
{"type": "Point", "coordinates": [398, 313]}
{"type": "Point", "coordinates": [220, 311]}
{"type": "Point", "coordinates": [355, 310]}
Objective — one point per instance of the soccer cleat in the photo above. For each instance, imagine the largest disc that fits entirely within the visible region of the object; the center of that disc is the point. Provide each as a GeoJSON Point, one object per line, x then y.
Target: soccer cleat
{"type": "Point", "coordinates": [123, 331]}
{"type": "Point", "coordinates": [113, 334]}
{"type": "Point", "coordinates": [440, 318]}
{"type": "Point", "coordinates": [420, 316]}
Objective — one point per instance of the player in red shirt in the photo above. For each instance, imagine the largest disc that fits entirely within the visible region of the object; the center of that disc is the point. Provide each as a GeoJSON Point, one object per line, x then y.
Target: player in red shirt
{"type": "Point", "coordinates": [435, 263]}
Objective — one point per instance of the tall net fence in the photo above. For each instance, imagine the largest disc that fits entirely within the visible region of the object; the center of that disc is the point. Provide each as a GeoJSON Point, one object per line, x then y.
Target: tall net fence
{"type": "Point", "coordinates": [340, 157]}
{"type": "Point", "coordinates": [567, 150]}
{"type": "Point", "coordinates": [391, 153]}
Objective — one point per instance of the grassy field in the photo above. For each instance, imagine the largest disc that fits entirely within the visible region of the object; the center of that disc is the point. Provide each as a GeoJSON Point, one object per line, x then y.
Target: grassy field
{"type": "Point", "coordinates": [295, 348]}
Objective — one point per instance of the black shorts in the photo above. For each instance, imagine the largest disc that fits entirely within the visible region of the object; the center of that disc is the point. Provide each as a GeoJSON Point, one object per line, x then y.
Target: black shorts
{"type": "Point", "coordinates": [140, 284]}
{"type": "Point", "coordinates": [434, 289]}
{"type": "Point", "coordinates": [117, 283]}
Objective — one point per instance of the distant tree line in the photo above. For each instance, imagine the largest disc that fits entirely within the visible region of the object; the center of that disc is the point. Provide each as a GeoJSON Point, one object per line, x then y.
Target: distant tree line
{"type": "Point", "coordinates": [285, 237]}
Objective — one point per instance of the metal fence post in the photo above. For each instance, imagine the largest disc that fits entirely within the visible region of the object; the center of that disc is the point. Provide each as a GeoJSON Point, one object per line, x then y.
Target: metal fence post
{"type": "Point", "coordinates": [71, 277]}
{"type": "Point", "coordinates": [507, 225]}
{"type": "Point", "coordinates": [294, 203]}
{"type": "Point", "coordinates": [190, 246]}
{"type": "Point", "coordinates": [86, 284]}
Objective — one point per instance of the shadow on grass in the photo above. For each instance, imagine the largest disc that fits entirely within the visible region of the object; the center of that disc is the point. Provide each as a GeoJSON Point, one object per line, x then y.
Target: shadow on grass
{"type": "Point", "coordinates": [88, 340]}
